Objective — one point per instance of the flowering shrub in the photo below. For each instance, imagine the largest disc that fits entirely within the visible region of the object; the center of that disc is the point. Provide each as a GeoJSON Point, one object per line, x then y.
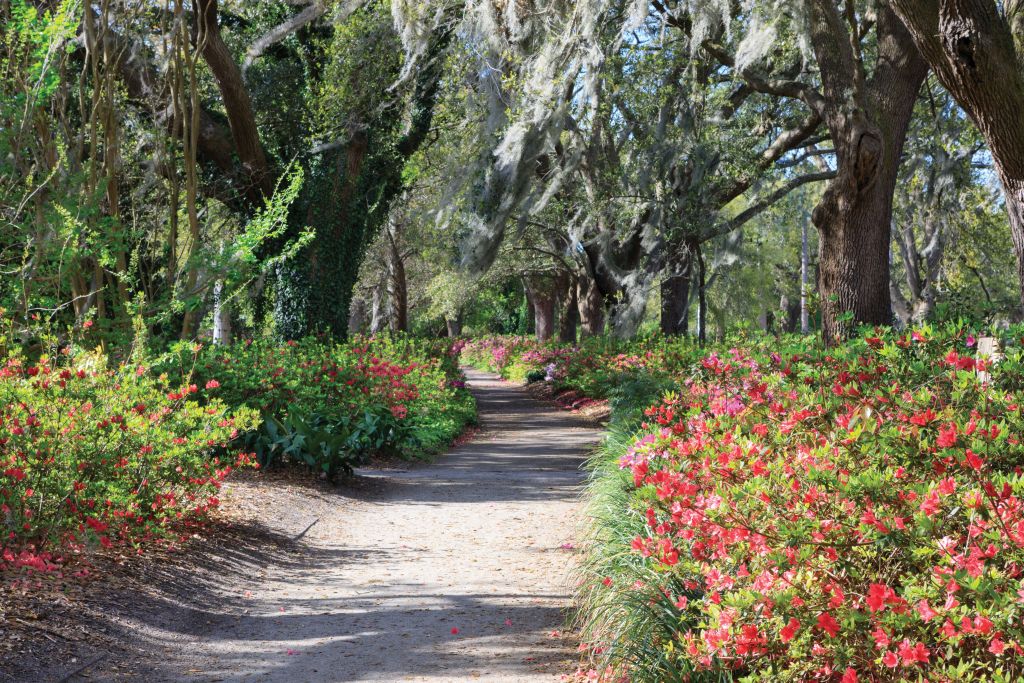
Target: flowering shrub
{"type": "Point", "coordinates": [329, 405]}
{"type": "Point", "coordinates": [852, 514]}
{"type": "Point", "coordinates": [91, 456]}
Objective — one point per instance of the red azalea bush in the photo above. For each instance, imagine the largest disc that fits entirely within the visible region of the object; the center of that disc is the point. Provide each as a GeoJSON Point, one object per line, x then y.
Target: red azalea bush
{"type": "Point", "coordinates": [594, 366]}
{"type": "Point", "coordinates": [330, 404]}
{"type": "Point", "coordinates": [97, 456]}
{"type": "Point", "coordinates": [852, 514]}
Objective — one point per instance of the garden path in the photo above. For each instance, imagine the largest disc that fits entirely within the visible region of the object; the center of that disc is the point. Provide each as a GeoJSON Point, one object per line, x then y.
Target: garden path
{"type": "Point", "coordinates": [479, 541]}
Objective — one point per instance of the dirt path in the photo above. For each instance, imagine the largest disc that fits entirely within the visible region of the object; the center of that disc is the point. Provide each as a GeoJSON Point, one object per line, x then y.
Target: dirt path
{"type": "Point", "coordinates": [368, 584]}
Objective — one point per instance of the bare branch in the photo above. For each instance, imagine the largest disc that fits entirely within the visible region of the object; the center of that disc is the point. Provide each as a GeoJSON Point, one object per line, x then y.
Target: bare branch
{"type": "Point", "coordinates": [311, 13]}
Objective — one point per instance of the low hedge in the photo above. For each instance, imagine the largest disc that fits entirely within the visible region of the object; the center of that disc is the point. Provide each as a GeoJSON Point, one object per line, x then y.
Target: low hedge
{"type": "Point", "coordinates": [794, 512]}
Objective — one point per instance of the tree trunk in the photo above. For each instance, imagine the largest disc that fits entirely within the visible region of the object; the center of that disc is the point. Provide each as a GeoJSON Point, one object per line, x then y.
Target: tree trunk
{"type": "Point", "coordinates": [853, 275]}
{"type": "Point", "coordinates": [805, 317]}
{"type": "Point", "coordinates": [454, 326]}
{"type": "Point", "coordinates": [675, 301]}
{"type": "Point", "coordinates": [974, 47]}
{"type": "Point", "coordinates": [221, 316]}
{"type": "Point", "coordinates": [357, 316]}
{"type": "Point", "coordinates": [398, 287]}
{"type": "Point", "coordinates": [544, 312]}
{"type": "Point", "coordinates": [702, 296]}
{"type": "Point", "coordinates": [531, 315]}
{"type": "Point", "coordinates": [237, 103]}
{"type": "Point", "coordinates": [868, 124]}
{"type": "Point", "coordinates": [378, 315]}
{"type": "Point", "coordinates": [590, 303]}
{"type": "Point", "coordinates": [568, 315]}
{"type": "Point", "coordinates": [788, 315]}
{"type": "Point", "coordinates": [543, 296]}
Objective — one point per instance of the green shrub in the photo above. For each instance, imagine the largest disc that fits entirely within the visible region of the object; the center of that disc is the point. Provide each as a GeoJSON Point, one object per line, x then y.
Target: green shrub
{"type": "Point", "coordinates": [793, 512]}
{"type": "Point", "coordinates": [330, 405]}
{"type": "Point", "coordinates": [97, 455]}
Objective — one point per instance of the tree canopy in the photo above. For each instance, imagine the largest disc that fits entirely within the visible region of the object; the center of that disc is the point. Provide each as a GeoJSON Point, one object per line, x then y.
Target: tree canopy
{"type": "Point", "coordinates": [316, 166]}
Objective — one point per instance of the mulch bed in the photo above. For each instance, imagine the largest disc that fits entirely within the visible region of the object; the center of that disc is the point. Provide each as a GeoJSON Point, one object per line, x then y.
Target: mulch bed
{"type": "Point", "coordinates": [592, 410]}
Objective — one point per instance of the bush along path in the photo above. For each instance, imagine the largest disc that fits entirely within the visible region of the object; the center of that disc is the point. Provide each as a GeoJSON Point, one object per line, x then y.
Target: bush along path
{"type": "Point", "coordinates": [793, 512]}
{"type": "Point", "coordinates": [452, 571]}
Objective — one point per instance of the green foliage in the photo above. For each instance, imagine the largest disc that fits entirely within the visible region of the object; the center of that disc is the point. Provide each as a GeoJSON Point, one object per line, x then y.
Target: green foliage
{"type": "Point", "coordinates": [352, 185]}
{"type": "Point", "coordinates": [329, 406]}
{"type": "Point", "coordinates": [93, 454]}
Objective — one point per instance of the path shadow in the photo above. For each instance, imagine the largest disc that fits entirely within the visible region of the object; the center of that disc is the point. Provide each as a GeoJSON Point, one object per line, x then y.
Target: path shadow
{"type": "Point", "coordinates": [190, 620]}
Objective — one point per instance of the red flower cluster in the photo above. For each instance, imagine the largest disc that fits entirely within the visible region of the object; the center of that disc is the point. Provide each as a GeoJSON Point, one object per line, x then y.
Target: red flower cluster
{"type": "Point", "coordinates": [840, 514]}
{"type": "Point", "coordinates": [96, 457]}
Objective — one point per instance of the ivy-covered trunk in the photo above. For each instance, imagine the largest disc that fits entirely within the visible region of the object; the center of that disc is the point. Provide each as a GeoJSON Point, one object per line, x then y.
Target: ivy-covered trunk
{"type": "Point", "coordinates": [346, 199]}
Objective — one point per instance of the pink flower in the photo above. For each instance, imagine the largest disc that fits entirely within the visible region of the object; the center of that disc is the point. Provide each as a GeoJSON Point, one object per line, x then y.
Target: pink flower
{"type": "Point", "coordinates": [974, 461]}
{"type": "Point", "coordinates": [212, 384]}
{"type": "Point", "coordinates": [947, 436]}
{"type": "Point", "coordinates": [912, 654]}
{"type": "Point", "coordinates": [925, 610]}
{"type": "Point", "coordinates": [881, 638]}
{"type": "Point", "coordinates": [878, 595]}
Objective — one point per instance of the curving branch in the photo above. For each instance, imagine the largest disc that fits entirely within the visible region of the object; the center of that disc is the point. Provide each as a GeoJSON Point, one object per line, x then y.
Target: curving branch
{"type": "Point", "coordinates": [764, 203]}
{"type": "Point", "coordinates": [311, 13]}
{"type": "Point", "coordinates": [769, 86]}
{"type": "Point", "coordinates": [237, 103]}
{"type": "Point", "coordinates": [786, 142]}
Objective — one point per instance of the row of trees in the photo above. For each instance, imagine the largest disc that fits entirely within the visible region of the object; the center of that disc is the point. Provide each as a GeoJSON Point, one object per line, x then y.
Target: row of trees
{"type": "Point", "coordinates": [538, 164]}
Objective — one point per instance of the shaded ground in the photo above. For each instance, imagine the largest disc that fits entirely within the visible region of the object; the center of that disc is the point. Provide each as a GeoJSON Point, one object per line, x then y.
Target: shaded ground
{"type": "Point", "coordinates": [359, 583]}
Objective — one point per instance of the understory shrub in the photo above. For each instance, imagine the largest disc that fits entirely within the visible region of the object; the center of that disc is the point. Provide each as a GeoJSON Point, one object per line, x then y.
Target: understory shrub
{"type": "Point", "coordinates": [93, 456]}
{"type": "Point", "coordinates": [790, 512]}
{"type": "Point", "coordinates": [330, 405]}
{"type": "Point", "coordinates": [595, 366]}
{"type": "Point", "coordinates": [97, 454]}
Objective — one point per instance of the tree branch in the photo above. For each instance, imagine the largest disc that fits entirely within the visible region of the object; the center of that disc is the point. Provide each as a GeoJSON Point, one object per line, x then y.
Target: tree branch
{"type": "Point", "coordinates": [275, 35]}
{"type": "Point", "coordinates": [237, 102]}
{"type": "Point", "coordinates": [769, 86]}
{"type": "Point", "coordinates": [764, 203]}
{"type": "Point", "coordinates": [786, 142]}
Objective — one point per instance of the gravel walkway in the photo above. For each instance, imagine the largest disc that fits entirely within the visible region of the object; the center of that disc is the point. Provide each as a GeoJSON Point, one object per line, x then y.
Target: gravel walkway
{"type": "Point", "coordinates": [373, 582]}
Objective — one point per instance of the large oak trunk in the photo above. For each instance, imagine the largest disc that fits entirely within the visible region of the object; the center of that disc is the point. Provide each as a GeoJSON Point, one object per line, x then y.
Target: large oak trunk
{"type": "Point", "coordinates": [543, 296]}
{"type": "Point", "coordinates": [568, 315]}
{"type": "Point", "coordinates": [853, 273]}
{"type": "Point", "coordinates": [868, 124]}
{"type": "Point", "coordinates": [544, 315]}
